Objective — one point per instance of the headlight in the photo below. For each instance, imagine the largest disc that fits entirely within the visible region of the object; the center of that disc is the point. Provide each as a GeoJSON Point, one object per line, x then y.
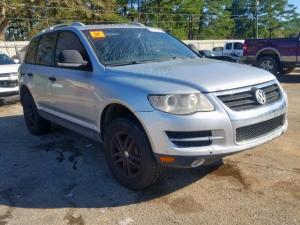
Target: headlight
{"type": "Point", "coordinates": [181, 103]}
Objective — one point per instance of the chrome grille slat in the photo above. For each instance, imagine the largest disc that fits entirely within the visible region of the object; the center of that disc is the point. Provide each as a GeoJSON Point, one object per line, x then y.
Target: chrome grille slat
{"type": "Point", "coordinates": [270, 88]}
{"type": "Point", "coordinates": [240, 103]}
{"type": "Point", "coordinates": [271, 95]}
{"type": "Point", "coordinates": [233, 98]}
{"type": "Point", "coordinates": [246, 100]}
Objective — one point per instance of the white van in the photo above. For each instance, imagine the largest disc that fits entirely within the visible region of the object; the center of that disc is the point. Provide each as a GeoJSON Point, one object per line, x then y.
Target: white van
{"type": "Point", "coordinates": [233, 49]}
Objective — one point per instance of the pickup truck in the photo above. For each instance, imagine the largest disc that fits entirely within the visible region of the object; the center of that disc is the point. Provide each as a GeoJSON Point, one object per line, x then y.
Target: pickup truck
{"type": "Point", "coordinates": [276, 55]}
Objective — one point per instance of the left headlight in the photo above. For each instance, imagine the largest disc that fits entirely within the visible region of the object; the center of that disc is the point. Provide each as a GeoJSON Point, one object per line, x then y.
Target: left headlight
{"type": "Point", "coordinates": [181, 103]}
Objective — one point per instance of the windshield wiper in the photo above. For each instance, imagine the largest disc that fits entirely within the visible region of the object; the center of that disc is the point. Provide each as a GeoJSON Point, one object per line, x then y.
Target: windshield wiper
{"type": "Point", "coordinates": [145, 61]}
{"type": "Point", "coordinates": [122, 63]}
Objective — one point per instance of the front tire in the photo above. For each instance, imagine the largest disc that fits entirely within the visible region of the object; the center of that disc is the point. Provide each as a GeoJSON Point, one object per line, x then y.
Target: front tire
{"type": "Point", "coordinates": [35, 124]}
{"type": "Point", "coordinates": [129, 155]}
{"type": "Point", "coordinates": [269, 63]}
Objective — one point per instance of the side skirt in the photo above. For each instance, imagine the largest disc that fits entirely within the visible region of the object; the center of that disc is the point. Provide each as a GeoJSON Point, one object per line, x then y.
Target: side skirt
{"type": "Point", "coordinates": [89, 133]}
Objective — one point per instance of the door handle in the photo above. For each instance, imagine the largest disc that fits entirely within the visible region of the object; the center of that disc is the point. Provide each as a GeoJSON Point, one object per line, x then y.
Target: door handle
{"type": "Point", "coordinates": [30, 74]}
{"type": "Point", "coordinates": [53, 79]}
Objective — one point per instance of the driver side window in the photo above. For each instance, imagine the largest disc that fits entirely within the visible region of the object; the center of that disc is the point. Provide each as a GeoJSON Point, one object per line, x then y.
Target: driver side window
{"type": "Point", "coordinates": [69, 41]}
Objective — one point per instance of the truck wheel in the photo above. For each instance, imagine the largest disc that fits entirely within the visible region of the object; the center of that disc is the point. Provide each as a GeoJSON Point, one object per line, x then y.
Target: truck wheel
{"type": "Point", "coordinates": [268, 63]}
{"type": "Point", "coordinates": [35, 124]}
{"type": "Point", "coordinates": [129, 155]}
{"type": "Point", "coordinates": [286, 70]}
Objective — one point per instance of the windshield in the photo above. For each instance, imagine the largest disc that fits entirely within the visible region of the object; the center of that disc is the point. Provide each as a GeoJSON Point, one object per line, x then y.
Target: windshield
{"type": "Point", "coordinates": [122, 46]}
{"type": "Point", "coordinates": [4, 60]}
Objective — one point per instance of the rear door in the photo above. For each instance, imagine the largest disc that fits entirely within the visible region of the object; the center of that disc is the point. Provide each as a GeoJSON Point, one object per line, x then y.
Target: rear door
{"type": "Point", "coordinates": [238, 49]}
{"type": "Point", "coordinates": [228, 49]}
{"type": "Point", "coordinates": [38, 67]}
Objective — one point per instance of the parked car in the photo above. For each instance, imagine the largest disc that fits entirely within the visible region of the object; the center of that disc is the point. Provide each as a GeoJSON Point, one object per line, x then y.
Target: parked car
{"type": "Point", "coordinates": [218, 51]}
{"type": "Point", "coordinates": [9, 87]}
{"type": "Point", "coordinates": [233, 49]}
{"type": "Point", "coordinates": [210, 54]}
{"type": "Point", "coordinates": [276, 55]}
{"type": "Point", "coordinates": [148, 97]}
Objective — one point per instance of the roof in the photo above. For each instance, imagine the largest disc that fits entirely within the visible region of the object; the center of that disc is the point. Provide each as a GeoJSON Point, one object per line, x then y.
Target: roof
{"type": "Point", "coordinates": [81, 26]}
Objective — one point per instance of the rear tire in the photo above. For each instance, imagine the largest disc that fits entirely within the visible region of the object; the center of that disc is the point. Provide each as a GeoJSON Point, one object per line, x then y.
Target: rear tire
{"type": "Point", "coordinates": [35, 124]}
{"type": "Point", "coordinates": [129, 155]}
{"type": "Point", "coordinates": [269, 63]}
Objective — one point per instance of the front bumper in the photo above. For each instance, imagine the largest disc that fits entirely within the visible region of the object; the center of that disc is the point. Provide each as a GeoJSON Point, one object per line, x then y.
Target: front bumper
{"type": "Point", "coordinates": [7, 93]}
{"type": "Point", "coordinates": [222, 123]}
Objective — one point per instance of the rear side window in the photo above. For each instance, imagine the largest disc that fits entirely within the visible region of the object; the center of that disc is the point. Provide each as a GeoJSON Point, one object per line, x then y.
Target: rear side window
{"type": "Point", "coordinates": [30, 55]}
{"type": "Point", "coordinates": [229, 46]}
{"type": "Point", "coordinates": [45, 50]}
{"type": "Point", "coordinates": [69, 41]}
{"type": "Point", "coordinates": [238, 46]}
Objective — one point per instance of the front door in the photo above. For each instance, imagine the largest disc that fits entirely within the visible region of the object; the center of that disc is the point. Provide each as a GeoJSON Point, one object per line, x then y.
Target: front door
{"type": "Point", "coordinates": [72, 89]}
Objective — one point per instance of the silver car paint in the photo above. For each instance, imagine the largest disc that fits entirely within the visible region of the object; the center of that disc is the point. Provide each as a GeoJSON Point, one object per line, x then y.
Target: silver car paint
{"type": "Point", "coordinates": [81, 97]}
{"type": "Point", "coordinates": [8, 70]}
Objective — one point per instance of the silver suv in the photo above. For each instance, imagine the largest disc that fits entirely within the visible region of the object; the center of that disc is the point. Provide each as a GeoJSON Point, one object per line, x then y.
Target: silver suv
{"type": "Point", "coordinates": [149, 98]}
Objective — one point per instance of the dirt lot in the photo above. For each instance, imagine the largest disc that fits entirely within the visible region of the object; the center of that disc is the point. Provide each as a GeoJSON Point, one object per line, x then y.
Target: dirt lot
{"type": "Point", "coordinates": [62, 178]}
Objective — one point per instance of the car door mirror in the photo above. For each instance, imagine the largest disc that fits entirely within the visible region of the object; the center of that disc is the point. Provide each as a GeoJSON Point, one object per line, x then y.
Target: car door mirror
{"type": "Point", "coordinates": [71, 58]}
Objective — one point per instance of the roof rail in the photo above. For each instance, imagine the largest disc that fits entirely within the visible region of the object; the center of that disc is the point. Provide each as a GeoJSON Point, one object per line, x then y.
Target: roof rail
{"type": "Point", "coordinates": [77, 24]}
{"type": "Point", "coordinates": [54, 26]}
{"type": "Point", "coordinates": [137, 24]}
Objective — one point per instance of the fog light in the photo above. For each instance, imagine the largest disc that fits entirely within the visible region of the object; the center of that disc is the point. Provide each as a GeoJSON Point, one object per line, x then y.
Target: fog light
{"type": "Point", "coordinates": [197, 162]}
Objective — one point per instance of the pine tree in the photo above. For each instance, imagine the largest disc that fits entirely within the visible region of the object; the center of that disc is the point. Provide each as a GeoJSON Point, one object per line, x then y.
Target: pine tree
{"type": "Point", "coordinates": [217, 22]}
{"type": "Point", "coordinates": [275, 17]}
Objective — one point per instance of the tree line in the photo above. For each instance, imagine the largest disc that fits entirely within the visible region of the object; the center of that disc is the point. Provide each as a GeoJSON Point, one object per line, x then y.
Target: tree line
{"type": "Point", "coordinates": [186, 19]}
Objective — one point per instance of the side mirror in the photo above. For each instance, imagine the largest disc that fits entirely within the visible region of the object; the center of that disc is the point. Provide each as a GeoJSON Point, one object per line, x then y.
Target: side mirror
{"type": "Point", "coordinates": [16, 61]}
{"type": "Point", "coordinates": [71, 58]}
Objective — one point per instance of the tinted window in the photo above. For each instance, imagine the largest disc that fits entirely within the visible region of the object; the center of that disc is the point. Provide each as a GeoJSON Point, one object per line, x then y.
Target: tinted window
{"type": "Point", "coordinates": [228, 46]}
{"type": "Point", "coordinates": [238, 46]}
{"type": "Point", "coordinates": [119, 46]}
{"type": "Point", "coordinates": [218, 49]}
{"type": "Point", "coordinates": [4, 60]}
{"type": "Point", "coordinates": [30, 55]}
{"type": "Point", "coordinates": [45, 51]}
{"type": "Point", "coordinates": [69, 41]}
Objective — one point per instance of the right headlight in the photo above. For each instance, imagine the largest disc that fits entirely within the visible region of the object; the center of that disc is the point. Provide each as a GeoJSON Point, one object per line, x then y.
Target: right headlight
{"type": "Point", "coordinates": [181, 103]}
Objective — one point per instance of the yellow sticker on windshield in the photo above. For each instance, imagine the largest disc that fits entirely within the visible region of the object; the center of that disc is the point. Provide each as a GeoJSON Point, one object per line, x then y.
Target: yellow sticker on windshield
{"type": "Point", "coordinates": [97, 34]}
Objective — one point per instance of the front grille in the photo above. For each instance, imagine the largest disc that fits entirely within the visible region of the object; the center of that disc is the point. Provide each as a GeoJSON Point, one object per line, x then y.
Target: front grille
{"type": "Point", "coordinates": [259, 129]}
{"type": "Point", "coordinates": [8, 83]}
{"type": "Point", "coordinates": [8, 74]}
{"type": "Point", "coordinates": [246, 100]}
{"type": "Point", "coordinates": [190, 139]}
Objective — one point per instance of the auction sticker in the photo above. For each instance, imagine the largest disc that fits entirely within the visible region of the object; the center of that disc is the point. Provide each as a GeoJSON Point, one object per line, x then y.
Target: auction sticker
{"type": "Point", "coordinates": [97, 34]}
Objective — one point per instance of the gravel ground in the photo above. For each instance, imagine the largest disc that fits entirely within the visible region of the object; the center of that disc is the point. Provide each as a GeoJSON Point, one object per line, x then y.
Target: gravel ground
{"type": "Point", "coordinates": [62, 178]}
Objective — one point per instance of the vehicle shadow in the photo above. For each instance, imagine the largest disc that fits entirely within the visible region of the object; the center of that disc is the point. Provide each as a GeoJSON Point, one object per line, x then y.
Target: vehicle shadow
{"type": "Point", "coordinates": [63, 169]}
{"type": "Point", "coordinates": [289, 78]}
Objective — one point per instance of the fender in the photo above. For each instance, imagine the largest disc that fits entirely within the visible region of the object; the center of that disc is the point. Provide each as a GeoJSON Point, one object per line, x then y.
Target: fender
{"type": "Point", "coordinates": [268, 49]}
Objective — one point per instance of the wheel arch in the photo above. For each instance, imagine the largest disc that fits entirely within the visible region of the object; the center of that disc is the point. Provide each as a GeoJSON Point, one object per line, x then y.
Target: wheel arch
{"type": "Point", "coordinates": [268, 52]}
{"type": "Point", "coordinates": [23, 90]}
{"type": "Point", "coordinates": [117, 110]}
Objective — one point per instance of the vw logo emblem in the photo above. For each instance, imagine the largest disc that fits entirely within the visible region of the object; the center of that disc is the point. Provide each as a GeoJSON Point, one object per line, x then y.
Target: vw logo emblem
{"type": "Point", "coordinates": [260, 96]}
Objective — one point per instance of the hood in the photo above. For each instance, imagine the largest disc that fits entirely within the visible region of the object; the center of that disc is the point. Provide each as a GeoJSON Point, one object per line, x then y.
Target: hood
{"type": "Point", "coordinates": [205, 75]}
{"type": "Point", "coordinates": [9, 68]}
